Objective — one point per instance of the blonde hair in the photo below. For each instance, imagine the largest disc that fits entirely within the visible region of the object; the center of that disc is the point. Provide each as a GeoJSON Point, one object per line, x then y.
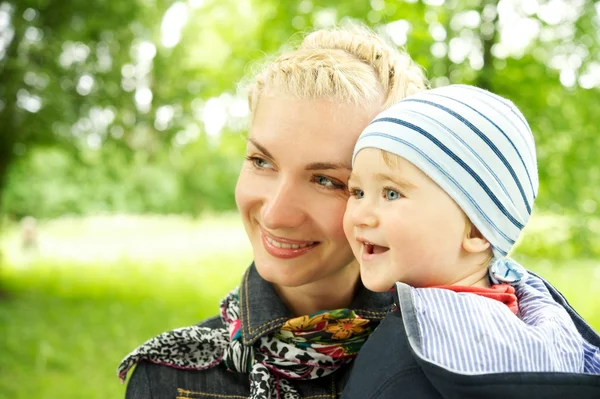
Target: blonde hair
{"type": "Point", "coordinates": [391, 160]}
{"type": "Point", "coordinates": [349, 65]}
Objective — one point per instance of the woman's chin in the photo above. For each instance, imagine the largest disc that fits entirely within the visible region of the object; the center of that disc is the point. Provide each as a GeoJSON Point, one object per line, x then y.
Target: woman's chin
{"type": "Point", "coordinates": [282, 273]}
{"type": "Point", "coordinates": [299, 272]}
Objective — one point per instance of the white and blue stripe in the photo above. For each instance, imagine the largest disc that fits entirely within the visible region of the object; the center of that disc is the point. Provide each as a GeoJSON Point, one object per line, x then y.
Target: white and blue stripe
{"type": "Point", "coordinates": [471, 334]}
{"type": "Point", "coordinates": [476, 146]}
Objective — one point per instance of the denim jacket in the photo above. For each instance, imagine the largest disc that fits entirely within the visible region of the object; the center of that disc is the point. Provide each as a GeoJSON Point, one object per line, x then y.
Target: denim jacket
{"type": "Point", "coordinates": [262, 312]}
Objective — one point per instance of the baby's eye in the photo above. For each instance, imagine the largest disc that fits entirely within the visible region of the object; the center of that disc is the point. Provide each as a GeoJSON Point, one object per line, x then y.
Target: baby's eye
{"type": "Point", "coordinates": [357, 193]}
{"type": "Point", "coordinates": [391, 194]}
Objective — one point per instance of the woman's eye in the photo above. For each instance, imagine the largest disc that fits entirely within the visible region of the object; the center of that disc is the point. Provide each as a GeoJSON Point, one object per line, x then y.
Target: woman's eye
{"type": "Point", "coordinates": [391, 194]}
{"type": "Point", "coordinates": [323, 181]}
{"type": "Point", "coordinates": [328, 183]}
{"type": "Point", "coordinates": [259, 162]}
{"type": "Point", "coordinates": [357, 193]}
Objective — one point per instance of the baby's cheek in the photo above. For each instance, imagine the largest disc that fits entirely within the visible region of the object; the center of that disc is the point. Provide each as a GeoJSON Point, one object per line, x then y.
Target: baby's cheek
{"type": "Point", "coordinates": [347, 226]}
{"type": "Point", "coordinates": [354, 245]}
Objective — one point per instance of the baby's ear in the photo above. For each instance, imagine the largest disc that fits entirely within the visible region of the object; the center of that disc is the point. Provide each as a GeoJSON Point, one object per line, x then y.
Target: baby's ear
{"type": "Point", "coordinates": [474, 241]}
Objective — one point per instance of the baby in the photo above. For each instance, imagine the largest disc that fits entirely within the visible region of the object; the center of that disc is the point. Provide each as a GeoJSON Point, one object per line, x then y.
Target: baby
{"type": "Point", "coordinates": [442, 185]}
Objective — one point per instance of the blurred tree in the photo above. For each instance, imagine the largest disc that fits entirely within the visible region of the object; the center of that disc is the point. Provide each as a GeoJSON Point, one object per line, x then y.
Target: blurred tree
{"type": "Point", "coordinates": [60, 72]}
{"type": "Point", "coordinates": [136, 104]}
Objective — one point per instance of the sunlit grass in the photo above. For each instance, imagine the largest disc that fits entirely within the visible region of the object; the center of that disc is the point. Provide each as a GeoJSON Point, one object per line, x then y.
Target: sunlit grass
{"type": "Point", "coordinates": [64, 329]}
{"type": "Point", "coordinates": [98, 287]}
{"type": "Point", "coordinates": [114, 239]}
{"type": "Point", "coordinates": [68, 320]}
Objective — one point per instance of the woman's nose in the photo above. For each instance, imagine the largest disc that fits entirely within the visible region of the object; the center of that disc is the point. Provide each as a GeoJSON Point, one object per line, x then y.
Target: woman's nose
{"type": "Point", "coordinates": [284, 207]}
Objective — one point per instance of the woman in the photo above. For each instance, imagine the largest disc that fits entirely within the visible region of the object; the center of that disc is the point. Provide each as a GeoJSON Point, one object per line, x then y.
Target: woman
{"type": "Point", "coordinates": [277, 335]}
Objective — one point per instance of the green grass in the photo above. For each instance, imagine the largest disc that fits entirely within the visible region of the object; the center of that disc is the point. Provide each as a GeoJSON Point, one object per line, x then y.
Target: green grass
{"type": "Point", "coordinates": [70, 317]}
{"type": "Point", "coordinates": [100, 287]}
{"type": "Point", "coordinates": [64, 329]}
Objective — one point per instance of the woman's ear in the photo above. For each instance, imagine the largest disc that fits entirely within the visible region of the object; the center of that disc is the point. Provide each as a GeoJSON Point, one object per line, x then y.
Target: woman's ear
{"type": "Point", "coordinates": [473, 241]}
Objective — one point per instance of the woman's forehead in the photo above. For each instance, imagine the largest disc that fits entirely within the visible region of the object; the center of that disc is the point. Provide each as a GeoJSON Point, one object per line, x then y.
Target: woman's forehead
{"type": "Point", "coordinates": [316, 127]}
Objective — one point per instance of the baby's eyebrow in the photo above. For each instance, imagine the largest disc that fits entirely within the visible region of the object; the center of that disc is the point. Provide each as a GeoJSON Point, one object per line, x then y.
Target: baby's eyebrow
{"type": "Point", "coordinates": [401, 182]}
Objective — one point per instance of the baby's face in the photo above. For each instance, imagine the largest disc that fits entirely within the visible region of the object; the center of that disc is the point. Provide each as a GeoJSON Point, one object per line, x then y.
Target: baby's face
{"type": "Point", "coordinates": [401, 225]}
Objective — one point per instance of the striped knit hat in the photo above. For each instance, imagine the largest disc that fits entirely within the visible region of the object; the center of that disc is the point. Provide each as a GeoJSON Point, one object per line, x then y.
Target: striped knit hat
{"type": "Point", "coordinates": [476, 146]}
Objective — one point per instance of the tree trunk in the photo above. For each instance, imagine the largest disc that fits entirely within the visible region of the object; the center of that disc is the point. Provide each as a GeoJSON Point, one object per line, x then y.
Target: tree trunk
{"type": "Point", "coordinates": [10, 81]}
{"type": "Point", "coordinates": [488, 39]}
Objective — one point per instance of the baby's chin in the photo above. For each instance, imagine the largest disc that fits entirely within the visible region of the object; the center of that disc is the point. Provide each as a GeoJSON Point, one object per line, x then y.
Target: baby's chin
{"type": "Point", "coordinates": [375, 284]}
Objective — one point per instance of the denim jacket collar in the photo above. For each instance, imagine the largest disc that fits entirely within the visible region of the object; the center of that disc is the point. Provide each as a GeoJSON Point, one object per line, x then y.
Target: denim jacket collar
{"type": "Point", "coordinates": [263, 312]}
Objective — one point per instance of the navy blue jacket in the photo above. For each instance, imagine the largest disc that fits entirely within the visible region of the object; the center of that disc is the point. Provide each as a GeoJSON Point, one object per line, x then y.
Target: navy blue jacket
{"type": "Point", "coordinates": [387, 367]}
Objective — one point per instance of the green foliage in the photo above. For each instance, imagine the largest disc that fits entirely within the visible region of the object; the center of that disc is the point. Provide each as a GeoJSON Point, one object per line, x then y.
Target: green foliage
{"type": "Point", "coordinates": [51, 182]}
{"type": "Point", "coordinates": [560, 237]}
{"type": "Point", "coordinates": [127, 117]}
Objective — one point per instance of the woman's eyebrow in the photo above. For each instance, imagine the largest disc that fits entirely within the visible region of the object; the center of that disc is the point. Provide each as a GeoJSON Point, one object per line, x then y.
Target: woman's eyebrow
{"type": "Point", "coordinates": [311, 166]}
{"type": "Point", "coordinates": [327, 165]}
{"type": "Point", "coordinates": [260, 147]}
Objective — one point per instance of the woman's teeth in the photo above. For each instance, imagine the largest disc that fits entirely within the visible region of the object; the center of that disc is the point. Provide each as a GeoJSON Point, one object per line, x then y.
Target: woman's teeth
{"type": "Point", "coordinates": [287, 246]}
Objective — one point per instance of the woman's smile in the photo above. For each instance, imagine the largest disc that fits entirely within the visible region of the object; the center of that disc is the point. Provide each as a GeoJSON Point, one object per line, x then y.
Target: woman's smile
{"type": "Point", "coordinates": [285, 248]}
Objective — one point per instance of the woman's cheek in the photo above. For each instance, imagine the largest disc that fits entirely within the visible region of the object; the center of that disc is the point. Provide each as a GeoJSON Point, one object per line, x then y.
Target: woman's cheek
{"type": "Point", "coordinates": [333, 217]}
{"type": "Point", "coordinates": [245, 190]}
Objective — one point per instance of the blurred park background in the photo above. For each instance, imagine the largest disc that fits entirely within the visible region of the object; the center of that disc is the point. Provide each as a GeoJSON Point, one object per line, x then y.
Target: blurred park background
{"type": "Point", "coordinates": [121, 134]}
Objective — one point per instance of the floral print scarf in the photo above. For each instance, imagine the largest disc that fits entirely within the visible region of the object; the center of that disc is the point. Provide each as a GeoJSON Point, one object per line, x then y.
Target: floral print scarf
{"type": "Point", "coordinates": [305, 348]}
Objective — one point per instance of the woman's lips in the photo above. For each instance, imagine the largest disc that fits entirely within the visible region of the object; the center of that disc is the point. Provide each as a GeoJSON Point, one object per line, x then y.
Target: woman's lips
{"type": "Point", "coordinates": [285, 248]}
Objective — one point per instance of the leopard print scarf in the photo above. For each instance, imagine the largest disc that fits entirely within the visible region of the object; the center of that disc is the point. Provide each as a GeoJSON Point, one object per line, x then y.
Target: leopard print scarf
{"type": "Point", "coordinates": [305, 348]}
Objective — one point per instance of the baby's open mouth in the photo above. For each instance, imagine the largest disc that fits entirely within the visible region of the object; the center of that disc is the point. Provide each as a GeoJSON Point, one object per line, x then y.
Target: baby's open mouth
{"type": "Point", "coordinates": [372, 249]}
